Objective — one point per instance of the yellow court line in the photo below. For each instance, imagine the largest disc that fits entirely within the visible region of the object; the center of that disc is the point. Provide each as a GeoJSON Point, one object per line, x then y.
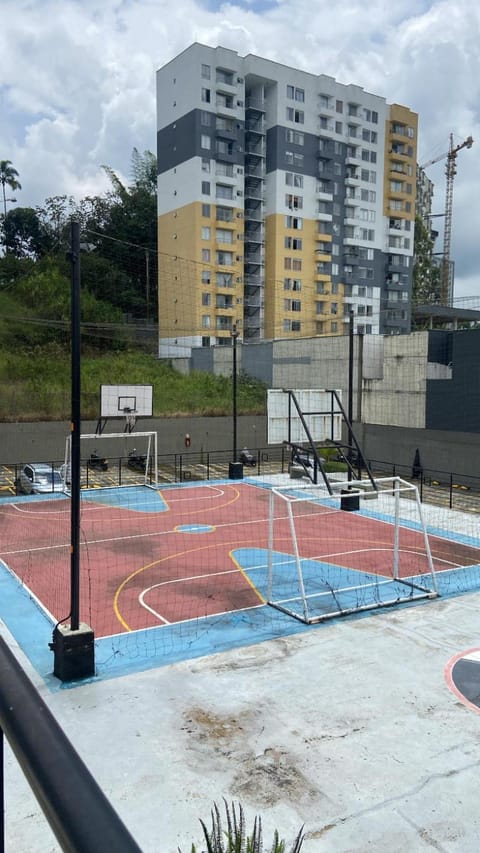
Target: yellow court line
{"type": "Point", "coordinates": [249, 580]}
{"type": "Point", "coordinates": [139, 571]}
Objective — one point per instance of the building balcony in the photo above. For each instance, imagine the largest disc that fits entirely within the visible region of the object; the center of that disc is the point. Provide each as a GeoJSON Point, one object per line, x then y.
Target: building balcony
{"type": "Point", "coordinates": [255, 104]}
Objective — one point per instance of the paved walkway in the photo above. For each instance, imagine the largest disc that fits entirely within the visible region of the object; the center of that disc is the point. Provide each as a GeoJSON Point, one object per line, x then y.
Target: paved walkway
{"type": "Point", "coordinates": [350, 729]}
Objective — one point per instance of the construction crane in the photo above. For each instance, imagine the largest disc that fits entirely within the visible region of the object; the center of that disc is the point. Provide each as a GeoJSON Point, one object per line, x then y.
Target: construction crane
{"type": "Point", "coordinates": [446, 281]}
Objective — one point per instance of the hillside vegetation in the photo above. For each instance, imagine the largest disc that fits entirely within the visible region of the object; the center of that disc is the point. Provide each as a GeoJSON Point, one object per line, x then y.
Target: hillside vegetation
{"type": "Point", "coordinates": [35, 385]}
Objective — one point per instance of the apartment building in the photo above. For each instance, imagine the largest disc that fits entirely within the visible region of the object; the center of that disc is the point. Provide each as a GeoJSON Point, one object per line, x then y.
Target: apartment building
{"type": "Point", "coordinates": [286, 203]}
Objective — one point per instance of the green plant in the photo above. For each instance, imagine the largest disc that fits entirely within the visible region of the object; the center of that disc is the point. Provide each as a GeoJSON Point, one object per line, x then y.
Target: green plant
{"type": "Point", "coordinates": [234, 838]}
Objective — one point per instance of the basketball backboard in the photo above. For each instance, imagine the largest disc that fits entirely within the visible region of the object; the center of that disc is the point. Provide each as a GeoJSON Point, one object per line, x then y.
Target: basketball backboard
{"type": "Point", "coordinates": [320, 412]}
{"type": "Point", "coordinates": [116, 401]}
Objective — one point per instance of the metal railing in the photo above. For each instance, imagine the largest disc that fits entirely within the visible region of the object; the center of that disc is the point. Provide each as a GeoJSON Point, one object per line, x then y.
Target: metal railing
{"type": "Point", "coordinates": [76, 808]}
{"type": "Point", "coordinates": [440, 487]}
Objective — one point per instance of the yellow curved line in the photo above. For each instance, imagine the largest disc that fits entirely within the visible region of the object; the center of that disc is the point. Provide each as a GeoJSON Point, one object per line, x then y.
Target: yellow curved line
{"type": "Point", "coordinates": [134, 574]}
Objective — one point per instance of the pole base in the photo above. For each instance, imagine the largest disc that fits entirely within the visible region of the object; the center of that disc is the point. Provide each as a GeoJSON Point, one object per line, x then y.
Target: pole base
{"type": "Point", "coordinates": [349, 502]}
{"type": "Point", "coordinates": [235, 471]}
{"type": "Point", "coordinates": [74, 652]}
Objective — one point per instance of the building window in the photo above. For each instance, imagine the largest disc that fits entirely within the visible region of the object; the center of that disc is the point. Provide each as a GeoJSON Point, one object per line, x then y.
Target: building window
{"type": "Point", "coordinates": [206, 299]}
{"type": "Point", "coordinates": [224, 301]}
{"type": "Point", "coordinates": [206, 210]}
{"type": "Point", "coordinates": [224, 323]}
{"type": "Point", "coordinates": [206, 72]}
{"type": "Point", "coordinates": [206, 255]}
{"type": "Point", "coordinates": [206, 232]}
{"type": "Point", "coordinates": [205, 187]}
{"type": "Point", "coordinates": [222, 235]}
{"type": "Point", "coordinates": [224, 259]}
{"type": "Point", "coordinates": [294, 136]}
{"type": "Point", "coordinates": [206, 321]}
{"type": "Point", "coordinates": [294, 202]}
{"type": "Point", "coordinates": [206, 278]}
{"type": "Point", "coordinates": [297, 116]}
{"type": "Point", "coordinates": [224, 170]}
{"type": "Point", "coordinates": [224, 191]}
{"type": "Point", "coordinates": [205, 118]}
{"type": "Point", "coordinates": [224, 76]}
{"type": "Point", "coordinates": [224, 147]}
{"type": "Point", "coordinates": [224, 279]}
{"type": "Point", "coordinates": [205, 341]}
{"type": "Point", "coordinates": [205, 96]}
{"type": "Point", "coordinates": [224, 214]}
{"type": "Point", "coordinates": [205, 141]}
{"type": "Point", "coordinates": [293, 243]}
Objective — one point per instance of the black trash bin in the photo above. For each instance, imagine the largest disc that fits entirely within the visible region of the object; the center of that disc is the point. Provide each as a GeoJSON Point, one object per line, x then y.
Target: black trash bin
{"type": "Point", "coordinates": [349, 502]}
{"type": "Point", "coordinates": [235, 471]}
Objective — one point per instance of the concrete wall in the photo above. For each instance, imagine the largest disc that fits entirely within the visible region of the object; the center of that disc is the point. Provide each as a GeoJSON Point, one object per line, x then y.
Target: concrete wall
{"type": "Point", "coordinates": [440, 451]}
{"type": "Point", "coordinates": [45, 442]}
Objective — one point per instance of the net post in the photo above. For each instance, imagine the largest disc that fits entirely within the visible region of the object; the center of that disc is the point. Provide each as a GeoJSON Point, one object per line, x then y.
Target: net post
{"type": "Point", "coordinates": [396, 492]}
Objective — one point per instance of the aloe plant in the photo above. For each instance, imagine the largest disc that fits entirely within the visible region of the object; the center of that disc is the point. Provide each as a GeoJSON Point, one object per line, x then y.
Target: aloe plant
{"type": "Point", "coordinates": [234, 838]}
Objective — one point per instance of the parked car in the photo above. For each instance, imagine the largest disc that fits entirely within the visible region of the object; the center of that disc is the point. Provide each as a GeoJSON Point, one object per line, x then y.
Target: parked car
{"type": "Point", "coordinates": [39, 479]}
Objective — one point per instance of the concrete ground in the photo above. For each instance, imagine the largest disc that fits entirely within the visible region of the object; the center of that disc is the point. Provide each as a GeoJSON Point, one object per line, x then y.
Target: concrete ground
{"type": "Point", "coordinates": [350, 729]}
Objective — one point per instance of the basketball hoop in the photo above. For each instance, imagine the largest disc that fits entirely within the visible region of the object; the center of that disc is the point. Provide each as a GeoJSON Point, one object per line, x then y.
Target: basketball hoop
{"type": "Point", "coordinates": [130, 418]}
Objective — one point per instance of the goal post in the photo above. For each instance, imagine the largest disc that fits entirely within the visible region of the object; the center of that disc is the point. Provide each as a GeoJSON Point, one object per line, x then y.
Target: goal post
{"type": "Point", "coordinates": [325, 562]}
{"type": "Point", "coordinates": [119, 459]}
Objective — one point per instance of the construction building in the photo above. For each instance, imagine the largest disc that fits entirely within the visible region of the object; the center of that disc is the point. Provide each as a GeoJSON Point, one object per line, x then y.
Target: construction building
{"type": "Point", "coordinates": [286, 203]}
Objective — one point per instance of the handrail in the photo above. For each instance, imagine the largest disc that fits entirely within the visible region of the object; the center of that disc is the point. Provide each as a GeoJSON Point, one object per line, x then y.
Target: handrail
{"type": "Point", "coordinates": [81, 817]}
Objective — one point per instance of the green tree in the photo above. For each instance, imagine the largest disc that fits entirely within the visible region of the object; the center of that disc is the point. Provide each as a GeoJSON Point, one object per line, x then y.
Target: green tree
{"type": "Point", "coordinates": [426, 273]}
{"type": "Point", "coordinates": [24, 234]}
{"type": "Point", "coordinates": [124, 231]}
{"type": "Point", "coordinates": [8, 178]}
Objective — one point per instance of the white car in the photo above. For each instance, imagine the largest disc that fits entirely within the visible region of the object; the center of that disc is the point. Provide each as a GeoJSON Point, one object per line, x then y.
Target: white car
{"type": "Point", "coordinates": [39, 479]}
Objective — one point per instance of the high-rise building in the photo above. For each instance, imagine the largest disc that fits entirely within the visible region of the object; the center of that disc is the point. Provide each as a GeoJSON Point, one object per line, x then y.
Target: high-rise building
{"type": "Point", "coordinates": [286, 203]}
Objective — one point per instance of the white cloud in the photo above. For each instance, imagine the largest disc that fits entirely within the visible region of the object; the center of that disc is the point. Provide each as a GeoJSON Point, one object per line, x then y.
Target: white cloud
{"type": "Point", "coordinates": [78, 80]}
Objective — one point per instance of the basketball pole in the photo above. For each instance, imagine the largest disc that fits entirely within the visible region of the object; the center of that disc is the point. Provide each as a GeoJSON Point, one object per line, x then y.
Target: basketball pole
{"type": "Point", "coordinates": [73, 641]}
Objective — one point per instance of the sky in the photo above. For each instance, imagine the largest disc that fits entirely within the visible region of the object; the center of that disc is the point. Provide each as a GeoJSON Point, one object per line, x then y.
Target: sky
{"type": "Point", "coordinates": [77, 83]}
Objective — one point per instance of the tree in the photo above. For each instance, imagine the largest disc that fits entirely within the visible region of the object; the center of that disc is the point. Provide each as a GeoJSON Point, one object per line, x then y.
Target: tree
{"type": "Point", "coordinates": [8, 178]}
{"type": "Point", "coordinates": [426, 273]}
{"type": "Point", "coordinates": [24, 234]}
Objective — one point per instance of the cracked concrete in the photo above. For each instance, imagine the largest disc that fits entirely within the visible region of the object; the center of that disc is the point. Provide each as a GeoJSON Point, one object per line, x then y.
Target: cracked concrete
{"type": "Point", "coordinates": [349, 729]}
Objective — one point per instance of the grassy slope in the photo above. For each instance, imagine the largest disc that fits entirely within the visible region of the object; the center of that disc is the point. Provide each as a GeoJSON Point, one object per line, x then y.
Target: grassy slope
{"type": "Point", "coordinates": [35, 385]}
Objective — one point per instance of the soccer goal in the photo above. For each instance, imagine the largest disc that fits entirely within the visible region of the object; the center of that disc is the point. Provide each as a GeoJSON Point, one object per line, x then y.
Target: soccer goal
{"type": "Point", "coordinates": [324, 561]}
{"type": "Point", "coordinates": [114, 459]}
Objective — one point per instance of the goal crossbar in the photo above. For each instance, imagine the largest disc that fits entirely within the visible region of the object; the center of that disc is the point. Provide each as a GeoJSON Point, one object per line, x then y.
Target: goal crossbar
{"type": "Point", "coordinates": [118, 441]}
{"type": "Point", "coordinates": [307, 578]}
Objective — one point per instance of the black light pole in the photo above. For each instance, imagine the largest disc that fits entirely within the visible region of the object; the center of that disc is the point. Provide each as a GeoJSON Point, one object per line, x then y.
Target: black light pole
{"type": "Point", "coordinates": [75, 428]}
{"type": "Point", "coordinates": [73, 641]}
{"type": "Point", "coordinates": [350, 393]}
{"type": "Point", "coordinates": [234, 334]}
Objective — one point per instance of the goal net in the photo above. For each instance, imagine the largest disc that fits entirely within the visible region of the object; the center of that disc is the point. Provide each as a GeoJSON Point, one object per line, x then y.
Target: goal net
{"type": "Point", "coordinates": [325, 561]}
{"type": "Point", "coordinates": [114, 459]}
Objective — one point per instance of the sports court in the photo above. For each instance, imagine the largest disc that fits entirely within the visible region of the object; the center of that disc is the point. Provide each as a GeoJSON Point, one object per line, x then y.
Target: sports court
{"type": "Point", "coordinates": [170, 572]}
{"type": "Point", "coordinates": [195, 553]}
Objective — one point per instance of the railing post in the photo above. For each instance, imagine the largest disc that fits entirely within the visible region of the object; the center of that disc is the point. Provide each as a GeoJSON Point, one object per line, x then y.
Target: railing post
{"type": "Point", "coordinates": [2, 794]}
{"type": "Point", "coordinates": [450, 499]}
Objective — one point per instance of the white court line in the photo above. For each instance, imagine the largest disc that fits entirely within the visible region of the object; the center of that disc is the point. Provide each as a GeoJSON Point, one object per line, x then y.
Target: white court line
{"type": "Point", "coordinates": [184, 580]}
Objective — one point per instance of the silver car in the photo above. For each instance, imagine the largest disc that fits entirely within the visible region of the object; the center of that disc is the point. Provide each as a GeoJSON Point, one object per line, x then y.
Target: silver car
{"type": "Point", "coordinates": [39, 479]}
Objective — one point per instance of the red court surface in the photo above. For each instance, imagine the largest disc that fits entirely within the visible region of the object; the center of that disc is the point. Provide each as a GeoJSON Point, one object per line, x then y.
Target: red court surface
{"type": "Point", "coordinates": [141, 568]}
